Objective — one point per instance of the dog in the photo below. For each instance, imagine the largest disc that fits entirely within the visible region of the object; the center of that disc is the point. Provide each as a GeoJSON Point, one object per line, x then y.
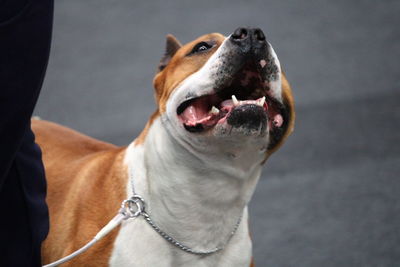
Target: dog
{"type": "Point", "coordinates": [224, 106]}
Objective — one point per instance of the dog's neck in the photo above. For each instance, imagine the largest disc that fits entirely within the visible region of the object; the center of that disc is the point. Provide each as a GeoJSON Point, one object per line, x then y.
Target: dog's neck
{"type": "Point", "coordinates": [196, 198]}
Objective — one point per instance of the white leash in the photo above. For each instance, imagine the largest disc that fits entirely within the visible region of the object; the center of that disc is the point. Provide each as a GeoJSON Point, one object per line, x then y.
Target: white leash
{"type": "Point", "coordinates": [130, 208]}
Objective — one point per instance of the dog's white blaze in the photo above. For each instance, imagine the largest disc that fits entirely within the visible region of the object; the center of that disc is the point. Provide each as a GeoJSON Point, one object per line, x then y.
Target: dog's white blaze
{"type": "Point", "coordinates": [195, 198]}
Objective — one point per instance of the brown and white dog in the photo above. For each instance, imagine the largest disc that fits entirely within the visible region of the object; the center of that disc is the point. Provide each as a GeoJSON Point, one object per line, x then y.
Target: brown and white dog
{"type": "Point", "coordinates": [224, 105]}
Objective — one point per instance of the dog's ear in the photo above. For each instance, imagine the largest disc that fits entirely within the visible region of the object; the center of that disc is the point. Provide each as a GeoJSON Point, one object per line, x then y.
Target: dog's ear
{"type": "Point", "coordinates": [172, 45]}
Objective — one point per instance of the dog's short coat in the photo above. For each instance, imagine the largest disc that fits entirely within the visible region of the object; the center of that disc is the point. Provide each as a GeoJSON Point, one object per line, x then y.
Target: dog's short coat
{"type": "Point", "coordinates": [223, 106]}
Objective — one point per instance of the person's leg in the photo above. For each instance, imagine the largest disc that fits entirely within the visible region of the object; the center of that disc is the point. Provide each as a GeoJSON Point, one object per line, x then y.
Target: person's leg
{"type": "Point", "coordinates": [16, 240]}
{"type": "Point", "coordinates": [31, 174]}
{"type": "Point", "coordinates": [25, 35]}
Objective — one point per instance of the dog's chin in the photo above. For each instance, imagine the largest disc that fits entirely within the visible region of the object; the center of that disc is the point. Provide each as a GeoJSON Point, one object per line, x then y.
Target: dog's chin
{"type": "Point", "coordinates": [247, 120]}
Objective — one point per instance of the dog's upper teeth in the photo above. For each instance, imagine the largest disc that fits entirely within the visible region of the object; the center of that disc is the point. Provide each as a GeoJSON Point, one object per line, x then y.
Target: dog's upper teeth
{"type": "Point", "coordinates": [235, 101]}
{"type": "Point", "coordinates": [261, 101]}
{"type": "Point", "coordinates": [214, 111]}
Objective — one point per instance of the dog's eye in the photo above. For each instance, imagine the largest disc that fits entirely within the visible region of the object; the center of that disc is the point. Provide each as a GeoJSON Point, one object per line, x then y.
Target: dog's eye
{"type": "Point", "coordinates": [200, 47]}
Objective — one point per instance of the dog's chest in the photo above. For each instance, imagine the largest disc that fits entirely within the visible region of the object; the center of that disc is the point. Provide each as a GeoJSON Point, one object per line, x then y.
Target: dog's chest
{"type": "Point", "coordinates": [137, 244]}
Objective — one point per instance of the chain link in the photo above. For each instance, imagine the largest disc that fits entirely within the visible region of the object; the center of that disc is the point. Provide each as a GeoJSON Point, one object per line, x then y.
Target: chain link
{"type": "Point", "coordinates": [184, 247]}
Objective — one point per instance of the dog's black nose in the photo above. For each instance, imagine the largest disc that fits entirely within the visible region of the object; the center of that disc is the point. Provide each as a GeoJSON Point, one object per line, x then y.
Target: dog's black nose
{"type": "Point", "coordinates": [249, 40]}
{"type": "Point", "coordinates": [248, 35]}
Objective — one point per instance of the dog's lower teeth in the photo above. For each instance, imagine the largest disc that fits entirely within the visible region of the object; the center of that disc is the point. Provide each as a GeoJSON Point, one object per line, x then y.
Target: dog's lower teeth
{"type": "Point", "coordinates": [261, 101]}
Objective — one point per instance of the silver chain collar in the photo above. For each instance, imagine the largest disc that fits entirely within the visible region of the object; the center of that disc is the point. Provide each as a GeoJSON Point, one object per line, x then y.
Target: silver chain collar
{"type": "Point", "coordinates": [135, 206]}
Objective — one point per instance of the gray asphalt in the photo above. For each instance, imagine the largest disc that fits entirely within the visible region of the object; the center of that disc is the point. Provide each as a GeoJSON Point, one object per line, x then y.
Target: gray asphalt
{"type": "Point", "coordinates": [331, 195]}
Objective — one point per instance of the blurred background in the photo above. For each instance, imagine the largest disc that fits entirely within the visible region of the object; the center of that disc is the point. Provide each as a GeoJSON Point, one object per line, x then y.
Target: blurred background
{"type": "Point", "coordinates": [331, 195]}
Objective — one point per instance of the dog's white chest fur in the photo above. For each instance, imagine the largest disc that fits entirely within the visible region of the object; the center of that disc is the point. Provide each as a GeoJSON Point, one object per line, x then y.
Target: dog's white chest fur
{"type": "Point", "coordinates": [139, 245]}
{"type": "Point", "coordinates": [185, 217]}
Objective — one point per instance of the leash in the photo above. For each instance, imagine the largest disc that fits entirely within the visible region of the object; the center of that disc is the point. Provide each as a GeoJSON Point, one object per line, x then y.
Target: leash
{"type": "Point", "coordinates": [131, 209]}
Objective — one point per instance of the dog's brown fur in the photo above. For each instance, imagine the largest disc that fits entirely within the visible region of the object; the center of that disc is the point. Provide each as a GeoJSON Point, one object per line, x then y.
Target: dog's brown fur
{"type": "Point", "coordinates": [84, 192]}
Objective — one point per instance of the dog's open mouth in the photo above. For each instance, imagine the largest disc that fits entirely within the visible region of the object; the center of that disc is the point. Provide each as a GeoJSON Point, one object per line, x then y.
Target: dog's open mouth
{"type": "Point", "coordinates": [247, 91]}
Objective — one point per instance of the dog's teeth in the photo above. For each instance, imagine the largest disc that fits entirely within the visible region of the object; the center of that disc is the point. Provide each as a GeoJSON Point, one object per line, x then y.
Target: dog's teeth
{"type": "Point", "coordinates": [214, 111]}
{"type": "Point", "coordinates": [235, 101]}
{"type": "Point", "coordinates": [261, 101]}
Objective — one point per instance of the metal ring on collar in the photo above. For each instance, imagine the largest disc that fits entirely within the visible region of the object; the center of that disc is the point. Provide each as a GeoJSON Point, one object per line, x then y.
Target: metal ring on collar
{"type": "Point", "coordinates": [133, 207]}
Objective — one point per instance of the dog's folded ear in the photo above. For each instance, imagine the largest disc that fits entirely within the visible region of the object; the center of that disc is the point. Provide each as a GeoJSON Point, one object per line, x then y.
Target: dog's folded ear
{"type": "Point", "coordinates": [172, 45]}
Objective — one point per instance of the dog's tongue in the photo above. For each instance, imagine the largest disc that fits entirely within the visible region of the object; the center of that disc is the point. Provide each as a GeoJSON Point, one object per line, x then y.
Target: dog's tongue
{"type": "Point", "coordinates": [197, 112]}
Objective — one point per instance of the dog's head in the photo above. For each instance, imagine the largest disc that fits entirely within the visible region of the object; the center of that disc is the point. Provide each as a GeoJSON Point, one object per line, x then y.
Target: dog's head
{"type": "Point", "coordinates": [225, 92]}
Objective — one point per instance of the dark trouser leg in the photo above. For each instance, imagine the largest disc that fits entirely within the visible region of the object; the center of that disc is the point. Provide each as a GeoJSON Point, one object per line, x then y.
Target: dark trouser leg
{"type": "Point", "coordinates": [25, 34]}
